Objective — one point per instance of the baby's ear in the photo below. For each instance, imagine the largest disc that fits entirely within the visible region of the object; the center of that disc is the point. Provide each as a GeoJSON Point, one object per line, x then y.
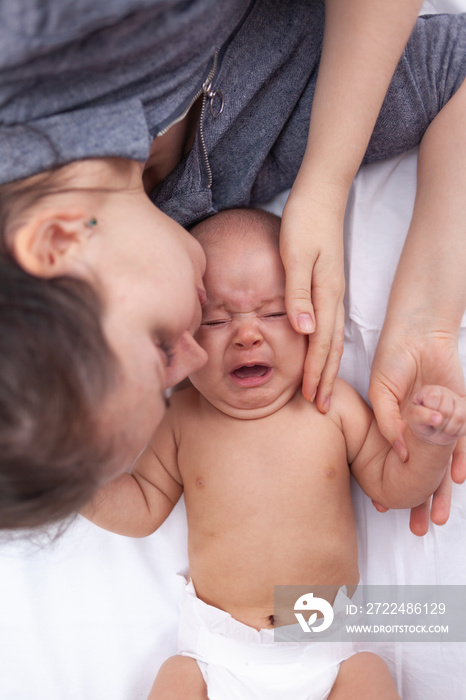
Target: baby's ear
{"type": "Point", "coordinates": [49, 243]}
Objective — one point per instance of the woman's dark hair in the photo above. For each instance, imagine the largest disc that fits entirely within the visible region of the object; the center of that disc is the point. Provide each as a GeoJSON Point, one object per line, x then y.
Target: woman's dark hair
{"type": "Point", "coordinates": [55, 371]}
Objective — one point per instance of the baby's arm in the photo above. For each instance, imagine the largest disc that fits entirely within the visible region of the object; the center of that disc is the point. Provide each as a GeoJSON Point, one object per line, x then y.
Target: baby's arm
{"type": "Point", "coordinates": [435, 418]}
{"type": "Point", "coordinates": [136, 504]}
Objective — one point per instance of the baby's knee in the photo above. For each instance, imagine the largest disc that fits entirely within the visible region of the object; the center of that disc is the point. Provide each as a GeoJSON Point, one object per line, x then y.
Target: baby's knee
{"type": "Point", "coordinates": [366, 661]}
{"type": "Point", "coordinates": [365, 676]}
{"type": "Point", "coordinates": [179, 678]}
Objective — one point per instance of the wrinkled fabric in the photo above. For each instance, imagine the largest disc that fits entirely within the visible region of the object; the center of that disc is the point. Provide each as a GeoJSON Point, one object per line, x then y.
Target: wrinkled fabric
{"type": "Point", "coordinates": [81, 79]}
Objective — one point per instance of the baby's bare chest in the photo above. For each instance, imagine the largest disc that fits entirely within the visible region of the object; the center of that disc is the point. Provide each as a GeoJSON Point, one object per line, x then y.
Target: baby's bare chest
{"type": "Point", "coordinates": [291, 463]}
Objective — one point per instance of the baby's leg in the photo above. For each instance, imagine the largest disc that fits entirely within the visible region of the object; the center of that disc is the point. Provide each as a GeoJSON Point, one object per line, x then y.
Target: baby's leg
{"type": "Point", "coordinates": [179, 678]}
{"type": "Point", "coordinates": [366, 677]}
{"type": "Point", "coordinates": [437, 415]}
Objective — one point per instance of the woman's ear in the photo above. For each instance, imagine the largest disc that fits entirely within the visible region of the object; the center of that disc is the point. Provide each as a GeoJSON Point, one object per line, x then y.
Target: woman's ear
{"type": "Point", "coordinates": [51, 242]}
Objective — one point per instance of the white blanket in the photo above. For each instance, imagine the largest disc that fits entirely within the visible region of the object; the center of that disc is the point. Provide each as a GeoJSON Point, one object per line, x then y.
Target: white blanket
{"type": "Point", "coordinates": [93, 615]}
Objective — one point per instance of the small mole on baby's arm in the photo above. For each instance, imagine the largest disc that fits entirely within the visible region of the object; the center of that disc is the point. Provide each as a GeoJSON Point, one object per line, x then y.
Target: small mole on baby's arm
{"type": "Point", "coordinates": [330, 473]}
{"type": "Point", "coordinates": [200, 482]}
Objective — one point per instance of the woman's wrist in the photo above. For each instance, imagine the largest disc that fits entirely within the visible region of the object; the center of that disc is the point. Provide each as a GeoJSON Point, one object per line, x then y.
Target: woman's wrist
{"type": "Point", "coordinates": [429, 289]}
{"type": "Point", "coordinates": [422, 302]}
{"type": "Point", "coordinates": [413, 317]}
{"type": "Point", "coordinates": [326, 199]}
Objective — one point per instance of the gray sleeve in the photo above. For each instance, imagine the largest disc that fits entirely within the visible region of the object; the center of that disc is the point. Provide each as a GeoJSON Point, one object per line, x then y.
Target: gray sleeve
{"type": "Point", "coordinates": [432, 68]}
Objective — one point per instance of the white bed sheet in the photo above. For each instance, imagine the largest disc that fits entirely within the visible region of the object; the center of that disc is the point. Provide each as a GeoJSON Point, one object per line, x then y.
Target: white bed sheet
{"type": "Point", "coordinates": [93, 615]}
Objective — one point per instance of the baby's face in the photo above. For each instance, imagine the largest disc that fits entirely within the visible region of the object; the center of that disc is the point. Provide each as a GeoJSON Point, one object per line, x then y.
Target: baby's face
{"type": "Point", "coordinates": [255, 358]}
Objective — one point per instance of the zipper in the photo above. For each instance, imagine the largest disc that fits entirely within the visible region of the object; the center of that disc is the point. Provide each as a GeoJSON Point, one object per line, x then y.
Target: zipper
{"type": "Point", "coordinates": [208, 96]}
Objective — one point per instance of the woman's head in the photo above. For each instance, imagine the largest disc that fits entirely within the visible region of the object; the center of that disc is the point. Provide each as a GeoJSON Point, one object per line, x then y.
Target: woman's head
{"type": "Point", "coordinates": [139, 276]}
{"type": "Point", "coordinates": [55, 367]}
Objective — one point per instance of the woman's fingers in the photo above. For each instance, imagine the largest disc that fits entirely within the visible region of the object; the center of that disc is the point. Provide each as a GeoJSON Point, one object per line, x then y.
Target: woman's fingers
{"type": "Point", "coordinates": [419, 519]}
{"type": "Point", "coordinates": [386, 408]}
{"type": "Point", "coordinates": [332, 365]}
{"type": "Point", "coordinates": [441, 501]}
{"type": "Point", "coordinates": [438, 511]}
{"type": "Point", "coordinates": [314, 303]}
{"type": "Point", "coordinates": [311, 248]}
{"type": "Point", "coordinates": [298, 301]}
{"type": "Point", "coordinates": [458, 465]}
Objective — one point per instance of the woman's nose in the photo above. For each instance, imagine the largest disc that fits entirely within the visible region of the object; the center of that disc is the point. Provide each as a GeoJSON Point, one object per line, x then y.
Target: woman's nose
{"type": "Point", "coordinates": [247, 335]}
{"type": "Point", "coordinates": [189, 358]}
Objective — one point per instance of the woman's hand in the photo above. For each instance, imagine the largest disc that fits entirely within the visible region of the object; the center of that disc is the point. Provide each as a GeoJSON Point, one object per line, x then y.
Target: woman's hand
{"type": "Point", "coordinates": [419, 341]}
{"type": "Point", "coordinates": [408, 356]}
{"type": "Point", "coordinates": [311, 246]}
{"type": "Point", "coordinates": [363, 41]}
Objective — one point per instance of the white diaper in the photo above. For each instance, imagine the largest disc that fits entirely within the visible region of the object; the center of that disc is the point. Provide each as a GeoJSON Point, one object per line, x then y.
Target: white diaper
{"type": "Point", "coordinates": [240, 663]}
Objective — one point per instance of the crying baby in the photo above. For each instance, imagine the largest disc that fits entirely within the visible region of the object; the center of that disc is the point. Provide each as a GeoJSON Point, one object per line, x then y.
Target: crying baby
{"type": "Point", "coordinates": [266, 476]}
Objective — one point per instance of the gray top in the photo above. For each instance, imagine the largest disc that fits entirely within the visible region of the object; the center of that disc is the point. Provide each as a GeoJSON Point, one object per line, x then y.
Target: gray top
{"type": "Point", "coordinates": [89, 78]}
{"type": "Point", "coordinates": [82, 78]}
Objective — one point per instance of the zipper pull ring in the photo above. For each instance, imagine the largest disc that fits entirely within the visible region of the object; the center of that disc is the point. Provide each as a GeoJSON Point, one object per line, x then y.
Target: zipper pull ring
{"type": "Point", "coordinates": [216, 99]}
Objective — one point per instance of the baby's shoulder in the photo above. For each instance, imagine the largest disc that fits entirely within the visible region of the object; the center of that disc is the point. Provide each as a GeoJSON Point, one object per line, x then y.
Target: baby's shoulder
{"type": "Point", "coordinates": [343, 395]}
{"type": "Point", "coordinates": [345, 400]}
{"type": "Point", "coordinates": [343, 391]}
{"type": "Point", "coordinates": [183, 403]}
{"type": "Point", "coordinates": [181, 408]}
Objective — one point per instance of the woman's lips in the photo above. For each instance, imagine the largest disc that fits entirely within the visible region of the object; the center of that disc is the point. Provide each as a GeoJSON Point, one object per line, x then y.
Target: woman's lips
{"type": "Point", "coordinates": [250, 375]}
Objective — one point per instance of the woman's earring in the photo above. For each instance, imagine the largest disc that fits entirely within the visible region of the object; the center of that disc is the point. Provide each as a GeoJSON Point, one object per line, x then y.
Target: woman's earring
{"type": "Point", "coordinates": [90, 223]}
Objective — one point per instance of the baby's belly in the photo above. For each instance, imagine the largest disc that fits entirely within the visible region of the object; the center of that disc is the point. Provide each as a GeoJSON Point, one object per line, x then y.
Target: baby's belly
{"type": "Point", "coordinates": [237, 572]}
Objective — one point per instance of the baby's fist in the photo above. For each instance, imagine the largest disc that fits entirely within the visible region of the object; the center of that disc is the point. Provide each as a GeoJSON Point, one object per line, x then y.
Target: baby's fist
{"type": "Point", "coordinates": [437, 415]}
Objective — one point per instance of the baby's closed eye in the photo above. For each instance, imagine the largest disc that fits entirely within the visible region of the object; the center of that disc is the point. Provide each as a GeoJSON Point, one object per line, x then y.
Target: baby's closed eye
{"type": "Point", "coordinates": [216, 322]}
{"type": "Point", "coordinates": [276, 314]}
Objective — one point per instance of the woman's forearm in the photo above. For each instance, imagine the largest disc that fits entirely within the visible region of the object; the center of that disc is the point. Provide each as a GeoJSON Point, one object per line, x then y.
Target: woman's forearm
{"type": "Point", "coordinates": [430, 283]}
{"type": "Point", "coordinates": [363, 42]}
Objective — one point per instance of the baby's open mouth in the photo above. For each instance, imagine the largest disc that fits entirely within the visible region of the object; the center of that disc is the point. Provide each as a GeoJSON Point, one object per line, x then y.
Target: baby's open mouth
{"type": "Point", "coordinates": [247, 376]}
{"type": "Point", "coordinates": [245, 372]}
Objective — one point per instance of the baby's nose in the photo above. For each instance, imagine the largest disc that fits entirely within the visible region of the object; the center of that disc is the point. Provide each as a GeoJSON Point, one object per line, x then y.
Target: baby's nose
{"type": "Point", "coordinates": [248, 335]}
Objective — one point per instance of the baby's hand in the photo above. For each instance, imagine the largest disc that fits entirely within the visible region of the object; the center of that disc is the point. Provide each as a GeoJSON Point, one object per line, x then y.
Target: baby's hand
{"type": "Point", "coordinates": [437, 415]}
